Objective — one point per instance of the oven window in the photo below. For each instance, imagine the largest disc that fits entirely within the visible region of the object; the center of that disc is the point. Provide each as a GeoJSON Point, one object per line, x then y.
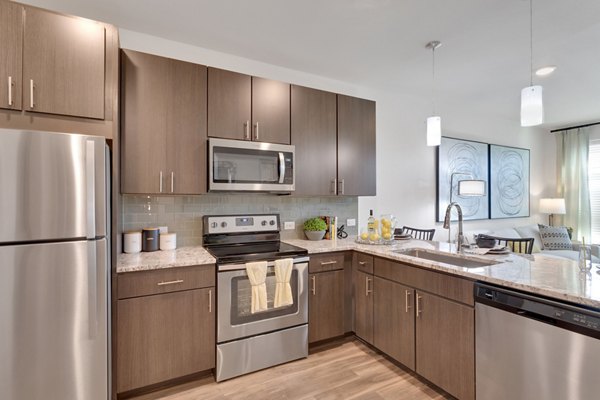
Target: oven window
{"type": "Point", "coordinates": [241, 298]}
{"type": "Point", "coordinates": [232, 165]}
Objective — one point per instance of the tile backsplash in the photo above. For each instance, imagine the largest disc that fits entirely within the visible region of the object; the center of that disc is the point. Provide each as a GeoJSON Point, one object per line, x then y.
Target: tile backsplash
{"type": "Point", "coordinates": [183, 214]}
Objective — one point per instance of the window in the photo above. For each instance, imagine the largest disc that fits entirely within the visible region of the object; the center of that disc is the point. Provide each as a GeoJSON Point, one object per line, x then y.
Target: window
{"type": "Point", "coordinates": [594, 180]}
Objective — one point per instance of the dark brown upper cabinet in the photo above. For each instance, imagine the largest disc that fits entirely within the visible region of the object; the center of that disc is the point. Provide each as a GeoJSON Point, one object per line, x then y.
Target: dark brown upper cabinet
{"type": "Point", "coordinates": [63, 65]}
{"type": "Point", "coordinates": [247, 108]}
{"type": "Point", "coordinates": [163, 125]}
{"type": "Point", "coordinates": [11, 48]}
{"type": "Point", "coordinates": [356, 146]}
{"type": "Point", "coordinates": [313, 129]}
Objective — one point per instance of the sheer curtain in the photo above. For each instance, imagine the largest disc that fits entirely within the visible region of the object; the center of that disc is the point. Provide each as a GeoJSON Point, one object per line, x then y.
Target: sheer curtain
{"type": "Point", "coordinates": [573, 183]}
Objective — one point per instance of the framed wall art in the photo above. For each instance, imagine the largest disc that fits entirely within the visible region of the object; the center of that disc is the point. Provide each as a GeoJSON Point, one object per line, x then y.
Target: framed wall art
{"type": "Point", "coordinates": [509, 182]}
{"type": "Point", "coordinates": [462, 160]}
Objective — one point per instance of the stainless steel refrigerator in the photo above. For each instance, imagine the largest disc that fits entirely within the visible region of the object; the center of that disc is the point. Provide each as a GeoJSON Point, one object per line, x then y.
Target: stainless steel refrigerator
{"type": "Point", "coordinates": [54, 266]}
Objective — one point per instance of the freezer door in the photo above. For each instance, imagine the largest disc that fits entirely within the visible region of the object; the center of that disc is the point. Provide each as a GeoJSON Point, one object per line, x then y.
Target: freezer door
{"type": "Point", "coordinates": [53, 186]}
{"type": "Point", "coordinates": [53, 334]}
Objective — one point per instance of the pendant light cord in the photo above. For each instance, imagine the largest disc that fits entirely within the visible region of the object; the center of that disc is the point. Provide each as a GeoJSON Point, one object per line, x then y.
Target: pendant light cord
{"type": "Point", "coordinates": [433, 78]}
{"type": "Point", "coordinates": [530, 42]}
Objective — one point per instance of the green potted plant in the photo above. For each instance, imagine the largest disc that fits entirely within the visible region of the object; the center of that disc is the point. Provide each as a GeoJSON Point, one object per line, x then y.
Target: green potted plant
{"type": "Point", "coordinates": [314, 228]}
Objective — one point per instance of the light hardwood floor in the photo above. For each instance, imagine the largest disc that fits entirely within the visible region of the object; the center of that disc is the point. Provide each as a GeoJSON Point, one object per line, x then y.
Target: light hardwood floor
{"type": "Point", "coordinates": [346, 370]}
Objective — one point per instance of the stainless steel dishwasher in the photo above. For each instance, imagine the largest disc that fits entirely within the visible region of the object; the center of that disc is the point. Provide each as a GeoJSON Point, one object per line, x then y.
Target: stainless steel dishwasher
{"type": "Point", "coordinates": [528, 347]}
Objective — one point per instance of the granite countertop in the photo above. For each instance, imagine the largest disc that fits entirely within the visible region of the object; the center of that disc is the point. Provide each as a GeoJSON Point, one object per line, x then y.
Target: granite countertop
{"type": "Point", "coordinates": [538, 274]}
{"type": "Point", "coordinates": [181, 257]}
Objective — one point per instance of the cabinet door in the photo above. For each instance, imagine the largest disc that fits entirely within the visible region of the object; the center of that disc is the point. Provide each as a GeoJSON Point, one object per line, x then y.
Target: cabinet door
{"type": "Point", "coordinates": [445, 333]}
{"type": "Point", "coordinates": [394, 321]}
{"type": "Point", "coordinates": [270, 111]}
{"type": "Point", "coordinates": [164, 337]}
{"type": "Point", "coordinates": [326, 305]}
{"type": "Point", "coordinates": [356, 146]}
{"type": "Point", "coordinates": [229, 104]}
{"type": "Point", "coordinates": [186, 128]}
{"type": "Point", "coordinates": [314, 135]}
{"type": "Point", "coordinates": [63, 65]}
{"type": "Point", "coordinates": [363, 319]}
{"type": "Point", "coordinates": [11, 45]}
{"type": "Point", "coordinates": [144, 101]}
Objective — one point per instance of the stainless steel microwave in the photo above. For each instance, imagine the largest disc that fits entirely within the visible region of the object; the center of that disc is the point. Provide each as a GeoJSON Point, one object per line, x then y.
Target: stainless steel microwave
{"type": "Point", "coordinates": [243, 166]}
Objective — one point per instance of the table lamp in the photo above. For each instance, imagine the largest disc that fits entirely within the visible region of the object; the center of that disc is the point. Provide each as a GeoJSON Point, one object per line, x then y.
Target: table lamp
{"type": "Point", "coordinates": [551, 207]}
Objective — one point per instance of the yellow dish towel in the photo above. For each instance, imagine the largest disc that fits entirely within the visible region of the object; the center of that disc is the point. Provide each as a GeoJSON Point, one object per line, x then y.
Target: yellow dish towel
{"type": "Point", "coordinates": [283, 290]}
{"type": "Point", "coordinates": [257, 274]}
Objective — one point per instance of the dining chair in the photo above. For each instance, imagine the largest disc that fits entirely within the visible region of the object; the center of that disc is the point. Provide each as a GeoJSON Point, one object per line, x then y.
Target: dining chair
{"type": "Point", "coordinates": [421, 234]}
{"type": "Point", "coordinates": [516, 245]}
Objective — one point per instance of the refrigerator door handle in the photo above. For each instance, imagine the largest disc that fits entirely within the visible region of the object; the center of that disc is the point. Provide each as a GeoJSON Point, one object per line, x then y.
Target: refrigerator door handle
{"type": "Point", "coordinates": [90, 181]}
{"type": "Point", "coordinates": [92, 290]}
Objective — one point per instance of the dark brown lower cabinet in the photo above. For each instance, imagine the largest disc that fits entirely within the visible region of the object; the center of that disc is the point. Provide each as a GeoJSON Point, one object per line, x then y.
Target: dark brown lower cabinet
{"type": "Point", "coordinates": [445, 344]}
{"type": "Point", "coordinates": [394, 320]}
{"type": "Point", "coordinates": [326, 305]}
{"type": "Point", "coordinates": [363, 314]}
{"type": "Point", "coordinates": [164, 336]}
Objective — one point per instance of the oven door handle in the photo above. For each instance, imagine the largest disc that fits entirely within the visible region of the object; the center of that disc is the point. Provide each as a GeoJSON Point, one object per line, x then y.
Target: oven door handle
{"type": "Point", "coordinates": [236, 267]}
{"type": "Point", "coordinates": [281, 167]}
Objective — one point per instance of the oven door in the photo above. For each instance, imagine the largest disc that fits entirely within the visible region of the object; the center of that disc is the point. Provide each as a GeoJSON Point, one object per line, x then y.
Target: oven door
{"type": "Point", "coordinates": [236, 165]}
{"type": "Point", "coordinates": [235, 319]}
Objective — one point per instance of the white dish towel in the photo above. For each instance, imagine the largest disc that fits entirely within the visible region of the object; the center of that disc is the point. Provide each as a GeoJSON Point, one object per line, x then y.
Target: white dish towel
{"type": "Point", "coordinates": [257, 274]}
{"type": "Point", "coordinates": [283, 290]}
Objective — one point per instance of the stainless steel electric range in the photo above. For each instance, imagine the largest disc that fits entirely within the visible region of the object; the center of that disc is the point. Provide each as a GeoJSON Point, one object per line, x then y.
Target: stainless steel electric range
{"type": "Point", "coordinates": [247, 341]}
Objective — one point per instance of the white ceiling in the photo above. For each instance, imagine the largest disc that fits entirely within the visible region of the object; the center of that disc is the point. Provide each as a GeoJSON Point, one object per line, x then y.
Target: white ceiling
{"type": "Point", "coordinates": [482, 65]}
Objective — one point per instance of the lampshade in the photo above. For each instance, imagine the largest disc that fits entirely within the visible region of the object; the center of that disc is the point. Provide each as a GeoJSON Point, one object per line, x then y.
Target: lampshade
{"type": "Point", "coordinates": [532, 106]}
{"type": "Point", "coordinates": [471, 188]}
{"type": "Point", "coordinates": [434, 131]}
{"type": "Point", "coordinates": [552, 206]}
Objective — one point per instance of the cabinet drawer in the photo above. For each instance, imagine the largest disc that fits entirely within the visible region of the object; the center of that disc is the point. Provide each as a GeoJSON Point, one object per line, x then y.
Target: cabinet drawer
{"type": "Point", "coordinates": [434, 282]}
{"type": "Point", "coordinates": [364, 262]}
{"type": "Point", "coordinates": [326, 262]}
{"type": "Point", "coordinates": [144, 283]}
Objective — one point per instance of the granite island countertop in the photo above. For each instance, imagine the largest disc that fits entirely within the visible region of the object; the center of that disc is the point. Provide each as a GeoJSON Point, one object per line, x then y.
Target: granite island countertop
{"type": "Point", "coordinates": [536, 273]}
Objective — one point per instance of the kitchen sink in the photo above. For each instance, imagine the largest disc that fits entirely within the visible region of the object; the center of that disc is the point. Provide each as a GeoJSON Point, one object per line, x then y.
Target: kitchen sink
{"type": "Point", "coordinates": [445, 258]}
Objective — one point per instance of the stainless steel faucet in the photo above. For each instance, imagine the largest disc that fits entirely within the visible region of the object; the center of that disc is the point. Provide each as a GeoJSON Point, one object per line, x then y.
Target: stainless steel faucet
{"type": "Point", "coordinates": [460, 225]}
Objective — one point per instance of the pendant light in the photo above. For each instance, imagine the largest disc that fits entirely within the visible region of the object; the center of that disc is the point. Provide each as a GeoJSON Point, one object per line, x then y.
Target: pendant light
{"type": "Point", "coordinates": [434, 122]}
{"type": "Point", "coordinates": [532, 106]}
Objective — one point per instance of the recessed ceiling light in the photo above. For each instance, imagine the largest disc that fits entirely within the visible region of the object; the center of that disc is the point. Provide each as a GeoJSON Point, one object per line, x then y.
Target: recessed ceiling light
{"type": "Point", "coordinates": [545, 70]}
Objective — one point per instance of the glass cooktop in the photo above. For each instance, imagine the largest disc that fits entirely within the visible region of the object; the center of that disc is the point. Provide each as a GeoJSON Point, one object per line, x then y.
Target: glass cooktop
{"type": "Point", "coordinates": [262, 251]}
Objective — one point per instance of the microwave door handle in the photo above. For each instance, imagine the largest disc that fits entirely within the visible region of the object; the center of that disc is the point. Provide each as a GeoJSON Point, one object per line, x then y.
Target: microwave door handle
{"type": "Point", "coordinates": [281, 167]}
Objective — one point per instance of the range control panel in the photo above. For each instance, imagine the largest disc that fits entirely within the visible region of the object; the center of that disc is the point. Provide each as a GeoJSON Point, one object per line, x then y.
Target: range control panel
{"type": "Point", "coordinates": [241, 223]}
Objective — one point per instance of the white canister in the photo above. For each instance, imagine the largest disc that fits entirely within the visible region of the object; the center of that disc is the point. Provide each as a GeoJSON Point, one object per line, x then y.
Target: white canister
{"type": "Point", "coordinates": [168, 241]}
{"type": "Point", "coordinates": [132, 242]}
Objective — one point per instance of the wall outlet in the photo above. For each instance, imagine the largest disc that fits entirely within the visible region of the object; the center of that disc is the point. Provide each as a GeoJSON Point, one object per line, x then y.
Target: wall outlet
{"type": "Point", "coordinates": [287, 225]}
{"type": "Point", "coordinates": [351, 222]}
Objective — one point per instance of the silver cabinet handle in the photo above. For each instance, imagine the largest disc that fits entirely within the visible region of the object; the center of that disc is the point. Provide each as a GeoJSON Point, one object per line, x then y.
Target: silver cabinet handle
{"type": "Point", "coordinates": [362, 263]}
{"type": "Point", "coordinates": [367, 290]}
{"type": "Point", "coordinates": [419, 311]}
{"type": "Point", "coordinates": [256, 131]}
{"type": "Point", "coordinates": [406, 297]}
{"type": "Point", "coordinates": [328, 262]}
{"type": "Point", "coordinates": [314, 285]}
{"type": "Point", "coordinates": [210, 300]}
{"type": "Point", "coordinates": [334, 186]}
{"type": "Point", "coordinates": [160, 182]}
{"type": "Point", "coordinates": [247, 130]}
{"type": "Point", "coordinates": [170, 282]}
{"type": "Point", "coordinates": [172, 180]}
{"type": "Point", "coordinates": [342, 186]}
{"type": "Point", "coordinates": [10, 102]}
{"type": "Point", "coordinates": [31, 104]}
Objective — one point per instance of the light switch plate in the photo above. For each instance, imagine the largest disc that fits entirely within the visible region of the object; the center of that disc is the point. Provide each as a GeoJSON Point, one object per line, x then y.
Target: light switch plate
{"type": "Point", "coordinates": [287, 225]}
{"type": "Point", "coordinates": [351, 222]}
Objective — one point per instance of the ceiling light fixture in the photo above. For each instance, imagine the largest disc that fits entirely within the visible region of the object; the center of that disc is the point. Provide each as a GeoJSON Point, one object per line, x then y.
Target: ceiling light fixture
{"type": "Point", "coordinates": [434, 123]}
{"type": "Point", "coordinates": [532, 106]}
{"type": "Point", "coordinates": [545, 71]}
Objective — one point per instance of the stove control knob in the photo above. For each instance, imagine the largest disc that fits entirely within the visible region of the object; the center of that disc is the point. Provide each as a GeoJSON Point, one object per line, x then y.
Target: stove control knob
{"type": "Point", "coordinates": [264, 223]}
{"type": "Point", "coordinates": [213, 224]}
{"type": "Point", "coordinates": [223, 224]}
{"type": "Point", "coordinates": [272, 222]}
